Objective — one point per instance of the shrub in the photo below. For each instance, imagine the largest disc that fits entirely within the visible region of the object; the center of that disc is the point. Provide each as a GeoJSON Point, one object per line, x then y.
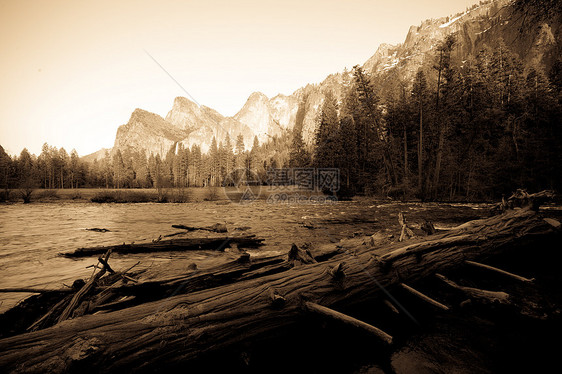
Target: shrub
{"type": "Point", "coordinates": [121, 197]}
{"type": "Point", "coordinates": [104, 197]}
{"type": "Point", "coordinates": [180, 195]}
{"type": "Point", "coordinates": [25, 194]}
{"type": "Point", "coordinates": [47, 194]}
{"type": "Point", "coordinates": [212, 194]}
{"type": "Point", "coordinates": [76, 196]}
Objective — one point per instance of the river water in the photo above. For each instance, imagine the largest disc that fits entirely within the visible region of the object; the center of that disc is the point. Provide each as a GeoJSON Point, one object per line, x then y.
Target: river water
{"type": "Point", "coordinates": [32, 235]}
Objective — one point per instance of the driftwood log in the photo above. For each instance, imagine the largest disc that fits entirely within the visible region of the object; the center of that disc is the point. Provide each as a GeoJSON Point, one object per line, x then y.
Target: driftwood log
{"type": "Point", "coordinates": [217, 227]}
{"type": "Point", "coordinates": [176, 330]}
{"type": "Point", "coordinates": [183, 244]}
{"type": "Point", "coordinates": [405, 232]}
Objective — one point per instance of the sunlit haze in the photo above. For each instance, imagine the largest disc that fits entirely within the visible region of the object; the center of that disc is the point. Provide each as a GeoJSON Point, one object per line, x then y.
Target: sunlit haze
{"type": "Point", "coordinates": [73, 71]}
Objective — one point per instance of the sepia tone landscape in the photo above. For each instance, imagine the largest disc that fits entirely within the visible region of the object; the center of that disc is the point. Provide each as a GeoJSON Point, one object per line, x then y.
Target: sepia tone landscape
{"type": "Point", "coordinates": [399, 216]}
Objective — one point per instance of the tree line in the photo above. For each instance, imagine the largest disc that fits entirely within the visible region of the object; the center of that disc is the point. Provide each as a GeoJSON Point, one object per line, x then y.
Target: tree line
{"type": "Point", "coordinates": [225, 163]}
{"type": "Point", "coordinates": [470, 129]}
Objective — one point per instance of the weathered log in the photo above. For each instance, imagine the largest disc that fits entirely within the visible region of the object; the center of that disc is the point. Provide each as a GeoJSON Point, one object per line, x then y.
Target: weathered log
{"type": "Point", "coordinates": [500, 271]}
{"type": "Point", "coordinates": [50, 317]}
{"type": "Point", "coordinates": [97, 229]}
{"type": "Point", "coordinates": [184, 244]}
{"type": "Point", "coordinates": [428, 228]}
{"type": "Point", "coordinates": [299, 256]}
{"type": "Point", "coordinates": [330, 313]}
{"type": "Point", "coordinates": [405, 232]}
{"type": "Point", "coordinates": [217, 227]}
{"type": "Point", "coordinates": [77, 298]}
{"type": "Point", "coordinates": [182, 328]}
{"type": "Point", "coordinates": [521, 198]}
{"type": "Point", "coordinates": [424, 297]}
{"type": "Point", "coordinates": [476, 293]}
{"type": "Point", "coordinates": [126, 300]}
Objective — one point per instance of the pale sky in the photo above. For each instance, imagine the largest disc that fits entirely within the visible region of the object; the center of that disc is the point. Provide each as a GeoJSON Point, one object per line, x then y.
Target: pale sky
{"type": "Point", "coordinates": [73, 71]}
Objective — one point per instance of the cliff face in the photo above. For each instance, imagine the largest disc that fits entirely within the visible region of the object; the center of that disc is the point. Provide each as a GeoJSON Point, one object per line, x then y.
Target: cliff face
{"type": "Point", "coordinates": [267, 118]}
{"type": "Point", "coordinates": [187, 115]}
{"type": "Point", "coordinates": [536, 39]}
{"type": "Point", "coordinates": [148, 131]}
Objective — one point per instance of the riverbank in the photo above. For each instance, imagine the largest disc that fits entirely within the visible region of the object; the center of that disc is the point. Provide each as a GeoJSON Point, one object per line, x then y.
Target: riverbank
{"type": "Point", "coordinates": [242, 194]}
{"type": "Point", "coordinates": [126, 195]}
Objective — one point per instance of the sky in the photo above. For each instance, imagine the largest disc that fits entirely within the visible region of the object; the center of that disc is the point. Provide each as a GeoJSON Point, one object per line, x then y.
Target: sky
{"type": "Point", "coordinates": [73, 71]}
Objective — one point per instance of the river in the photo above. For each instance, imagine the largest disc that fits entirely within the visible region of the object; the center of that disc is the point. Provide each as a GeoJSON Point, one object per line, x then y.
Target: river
{"type": "Point", "coordinates": [32, 235]}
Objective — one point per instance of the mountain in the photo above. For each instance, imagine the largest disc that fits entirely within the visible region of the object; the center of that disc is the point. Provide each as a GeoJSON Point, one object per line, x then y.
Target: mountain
{"type": "Point", "coordinates": [201, 123]}
{"type": "Point", "coordinates": [148, 131]}
{"type": "Point", "coordinates": [524, 26]}
{"type": "Point", "coordinates": [191, 124]}
{"type": "Point", "coordinates": [96, 156]}
{"type": "Point", "coordinates": [267, 117]}
{"type": "Point", "coordinates": [187, 115]}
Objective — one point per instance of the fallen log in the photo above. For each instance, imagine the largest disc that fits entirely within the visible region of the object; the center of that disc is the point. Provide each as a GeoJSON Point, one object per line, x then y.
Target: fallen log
{"type": "Point", "coordinates": [521, 198]}
{"type": "Point", "coordinates": [77, 298]}
{"type": "Point", "coordinates": [177, 330]}
{"type": "Point", "coordinates": [424, 297]}
{"type": "Point", "coordinates": [327, 312]}
{"type": "Point", "coordinates": [476, 293]}
{"type": "Point", "coordinates": [217, 227]}
{"type": "Point", "coordinates": [184, 244]}
{"type": "Point", "coordinates": [499, 271]}
{"type": "Point", "coordinates": [97, 229]}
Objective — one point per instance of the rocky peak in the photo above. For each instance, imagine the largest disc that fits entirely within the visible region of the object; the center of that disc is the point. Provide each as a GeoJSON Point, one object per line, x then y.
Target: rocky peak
{"type": "Point", "coordinates": [189, 116]}
{"type": "Point", "coordinates": [256, 114]}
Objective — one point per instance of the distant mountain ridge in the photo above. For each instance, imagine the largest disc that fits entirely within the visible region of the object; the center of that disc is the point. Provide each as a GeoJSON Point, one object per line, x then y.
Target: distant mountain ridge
{"type": "Point", "coordinates": [263, 117]}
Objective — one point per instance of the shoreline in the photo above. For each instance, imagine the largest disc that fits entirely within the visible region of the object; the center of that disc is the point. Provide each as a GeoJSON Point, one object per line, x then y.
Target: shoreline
{"type": "Point", "coordinates": [195, 195]}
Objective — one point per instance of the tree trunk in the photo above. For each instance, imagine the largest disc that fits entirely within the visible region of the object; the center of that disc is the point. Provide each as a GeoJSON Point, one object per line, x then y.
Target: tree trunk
{"type": "Point", "coordinates": [176, 330]}
{"type": "Point", "coordinates": [420, 154]}
{"type": "Point", "coordinates": [438, 158]}
{"type": "Point", "coordinates": [405, 161]}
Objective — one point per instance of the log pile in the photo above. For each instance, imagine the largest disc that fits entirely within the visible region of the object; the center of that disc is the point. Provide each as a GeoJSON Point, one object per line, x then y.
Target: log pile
{"type": "Point", "coordinates": [92, 296]}
{"type": "Point", "coordinates": [212, 313]}
{"type": "Point", "coordinates": [522, 199]}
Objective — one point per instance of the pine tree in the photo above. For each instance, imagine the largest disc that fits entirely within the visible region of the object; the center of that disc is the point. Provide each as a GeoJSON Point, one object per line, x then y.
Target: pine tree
{"type": "Point", "coordinates": [373, 139]}
{"type": "Point", "coordinates": [327, 149]}
{"type": "Point", "coordinates": [348, 158]}
{"type": "Point", "coordinates": [213, 163]}
{"type": "Point", "coordinates": [298, 155]}
{"type": "Point", "coordinates": [74, 168]}
{"type": "Point", "coordinates": [445, 73]}
{"type": "Point", "coordinates": [118, 168]}
{"type": "Point", "coordinates": [419, 94]}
